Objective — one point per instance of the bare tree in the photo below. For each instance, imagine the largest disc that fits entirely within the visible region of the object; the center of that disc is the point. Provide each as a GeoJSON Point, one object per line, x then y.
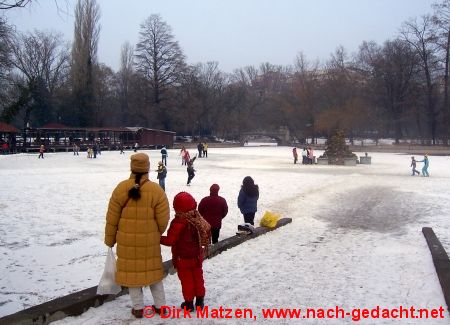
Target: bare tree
{"type": "Point", "coordinates": [304, 104]}
{"type": "Point", "coordinates": [84, 59]}
{"type": "Point", "coordinates": [159, 59]}
{"type": "Point", "coordinates": [442, 20]}
{"type": "Point", "coordinates": [42, 60]}
{"type": "Point", "coordinates": [422, 38]}
{"type": "Point", "coordinates": [212, 84]}
{"type": "Point", "coordinates": [105, 104]}
{"type": "Point", "coordinates": [391, 70]}
{"type": "Point", "coordinates": [125, 76]}
{"type": "Point", "coordinates": [6, 34]}
{"type": "Point", "coordinates": [9, 4]}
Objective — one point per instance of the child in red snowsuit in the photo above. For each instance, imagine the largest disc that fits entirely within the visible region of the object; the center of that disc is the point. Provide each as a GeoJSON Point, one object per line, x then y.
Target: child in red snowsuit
{"type": "Point", "coordinates": [187, 233]}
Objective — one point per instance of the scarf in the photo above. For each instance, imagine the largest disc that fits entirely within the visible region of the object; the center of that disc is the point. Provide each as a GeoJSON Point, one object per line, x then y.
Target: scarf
{"type": "Point", "coordinates": [201, 225]}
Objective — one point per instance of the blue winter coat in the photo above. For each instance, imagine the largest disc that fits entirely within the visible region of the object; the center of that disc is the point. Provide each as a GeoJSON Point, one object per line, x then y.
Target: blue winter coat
{"type": "Point", "coordinates": [246, 203]}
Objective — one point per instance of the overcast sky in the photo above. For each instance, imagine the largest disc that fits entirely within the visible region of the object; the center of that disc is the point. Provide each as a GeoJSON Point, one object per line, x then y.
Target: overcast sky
{"type": "Point", "coordinates": [235, 33]}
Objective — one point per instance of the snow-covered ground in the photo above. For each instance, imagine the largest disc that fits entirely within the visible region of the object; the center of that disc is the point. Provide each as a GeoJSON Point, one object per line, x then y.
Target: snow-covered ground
{"type": "Point", "coordinates": [355, 240]}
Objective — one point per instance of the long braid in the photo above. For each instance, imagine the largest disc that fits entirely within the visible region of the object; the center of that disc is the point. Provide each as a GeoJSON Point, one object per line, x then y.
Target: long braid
{"type": "Point", "coordinates": [135, 192]}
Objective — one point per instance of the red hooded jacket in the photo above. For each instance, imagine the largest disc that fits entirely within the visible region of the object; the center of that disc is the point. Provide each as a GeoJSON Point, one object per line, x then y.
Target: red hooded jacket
{"type": "Point", "coordinates": [183, 237]}
{"type": "Point", "coordinates": [214, 207]}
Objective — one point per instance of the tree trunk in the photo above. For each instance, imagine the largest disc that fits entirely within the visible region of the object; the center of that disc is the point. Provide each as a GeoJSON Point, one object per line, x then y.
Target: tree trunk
{"type": "Point", "coordinates": [446, 109]}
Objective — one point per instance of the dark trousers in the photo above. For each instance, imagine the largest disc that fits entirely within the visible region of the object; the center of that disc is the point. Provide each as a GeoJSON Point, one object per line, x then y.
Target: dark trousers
{"type": "Point", "coordinates": [190, 177]}
{"type": "Point", "coordinates": [215, 235]}
{"type": "Point", "coordinates": [164, 159]}
{"type": "Point", "coordinates": [249, 218]}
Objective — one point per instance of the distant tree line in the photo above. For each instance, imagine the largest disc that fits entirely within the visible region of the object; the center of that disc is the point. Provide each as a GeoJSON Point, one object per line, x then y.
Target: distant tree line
{"type": "Point", "coordinates": [397, 89]}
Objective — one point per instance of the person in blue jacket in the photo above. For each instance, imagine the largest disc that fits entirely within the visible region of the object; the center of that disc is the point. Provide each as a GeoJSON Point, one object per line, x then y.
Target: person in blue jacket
{"type": "Point", "coordinates": [248, 199]}
{"type": "Point", "coordinates": [426, 163]}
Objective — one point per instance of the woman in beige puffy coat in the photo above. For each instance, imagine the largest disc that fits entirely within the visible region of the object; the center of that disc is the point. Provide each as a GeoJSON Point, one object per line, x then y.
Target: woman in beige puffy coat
{"type": "Point", "coordinates": [138, 214]}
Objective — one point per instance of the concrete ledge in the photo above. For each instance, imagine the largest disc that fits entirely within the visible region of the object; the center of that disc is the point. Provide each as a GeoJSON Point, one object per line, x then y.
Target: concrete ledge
{"type": "Point", "coordinates": [56, 309]}
{"type": "Point", "coordinates": [365, 160]}
{"type": "Point", "coordinates": [441, 262]}
{"type": "Point", "coordinates": [322, 161]}
{"type": "Point", "coordinates": [78, 302]}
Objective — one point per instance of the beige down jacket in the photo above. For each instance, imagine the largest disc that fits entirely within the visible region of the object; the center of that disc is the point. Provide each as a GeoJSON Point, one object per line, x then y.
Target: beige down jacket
{"type": "Point", "coordinates": [136, 227]}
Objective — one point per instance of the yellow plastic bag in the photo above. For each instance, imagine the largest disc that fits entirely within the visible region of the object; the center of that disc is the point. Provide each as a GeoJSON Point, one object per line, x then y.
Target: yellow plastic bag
{"type": "Point", "coordinates": [269, 219]}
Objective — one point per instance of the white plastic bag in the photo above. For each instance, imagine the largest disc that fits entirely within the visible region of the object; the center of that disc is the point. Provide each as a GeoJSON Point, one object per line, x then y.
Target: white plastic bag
{"type": "Point", "coordinates": [108, 285]}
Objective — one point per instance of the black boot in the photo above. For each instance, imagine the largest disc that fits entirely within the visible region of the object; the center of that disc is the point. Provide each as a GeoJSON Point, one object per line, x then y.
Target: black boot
{"type": "Point", "coordinates": [189, 305]}
{"type": "Point", "coordinates": [199, 302]}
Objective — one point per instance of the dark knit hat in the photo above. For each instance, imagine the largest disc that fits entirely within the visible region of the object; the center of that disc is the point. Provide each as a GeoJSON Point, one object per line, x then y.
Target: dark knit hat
{"type": "Point", "coordinates": [184, 202]}
{"type": "Point", "coordinates": [140, 163]}
{"type": "Point", "coordinates": [214, 189]}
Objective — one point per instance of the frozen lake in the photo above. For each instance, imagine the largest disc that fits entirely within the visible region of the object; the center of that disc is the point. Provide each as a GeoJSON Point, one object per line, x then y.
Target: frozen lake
{"type": "Point", "coordinates": [355, 239]}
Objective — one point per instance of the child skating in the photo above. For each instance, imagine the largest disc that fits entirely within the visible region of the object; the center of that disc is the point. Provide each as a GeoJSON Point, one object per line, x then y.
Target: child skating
{"type": "Point", "coordinates": [413, 165]}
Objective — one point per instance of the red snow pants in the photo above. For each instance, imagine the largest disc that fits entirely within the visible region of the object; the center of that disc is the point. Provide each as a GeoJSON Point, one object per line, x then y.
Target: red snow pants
{"type": "Point", "coordinates": [190, 273]}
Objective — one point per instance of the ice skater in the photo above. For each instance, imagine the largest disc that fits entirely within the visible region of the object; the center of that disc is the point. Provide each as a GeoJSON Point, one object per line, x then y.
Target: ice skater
{"type": "Point", "coordinates": [164, 155]}
{"type": "Point", "coordinates": [426, 164]}
{"type": "Point", "coordinates": [295, 154]}
{"type": "Point", "coordinates": [413, 165]}
{"type": "Point", "coordinates": [41, 151]}
{"type": "Point", "coordinates": [190, 170]}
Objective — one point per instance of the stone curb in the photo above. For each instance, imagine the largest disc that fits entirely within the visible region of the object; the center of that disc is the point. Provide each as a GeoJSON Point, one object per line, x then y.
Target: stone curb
{"type": "Point", "coordinates": [441, 262]}
{"type": "Point", "coordinates": [78, 302]}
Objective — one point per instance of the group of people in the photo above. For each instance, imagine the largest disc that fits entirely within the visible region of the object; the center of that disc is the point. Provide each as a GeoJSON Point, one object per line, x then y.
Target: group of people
{"type": "Point", "coordinates": [185, 160]}
{"type": "Point", "coordinates": [426, 164]}
{"type": "Point", "coordinates": [138, 215]}
{"type": "Point", "coordinates": [202, 148]}
{"type": "Point", "coordinates": [307, 155]}
{"type": "Point", "coordinates": [93, 150]}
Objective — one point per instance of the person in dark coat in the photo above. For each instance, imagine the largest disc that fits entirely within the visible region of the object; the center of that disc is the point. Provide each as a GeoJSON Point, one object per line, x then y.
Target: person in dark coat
{"type": "Point", "coordinates": [164, 155]}
{"type": "Point", "coordinates": [200, 149]}
{"type": "Point", "coordinates": [248, 199]}
{"type": "Point", "coordinates": [295, 154]}
{"type": "Point", "coordinates": [214, 208]}
{"type": "Point", "coordinates": [413, 165]}
{"type": "Point", "coordinates": [187, 233]}
{"type": "Point", "coordinates": [190, 170]}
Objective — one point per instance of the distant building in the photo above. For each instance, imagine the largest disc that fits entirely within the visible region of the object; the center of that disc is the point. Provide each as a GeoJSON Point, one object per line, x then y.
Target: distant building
{"type": "Point", "coordinates": [58, 137]}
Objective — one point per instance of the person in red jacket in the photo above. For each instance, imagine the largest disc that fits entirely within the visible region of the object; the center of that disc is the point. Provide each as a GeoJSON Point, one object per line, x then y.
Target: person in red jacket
{"type": "Point", "coordinates": [187, 233]}
{"type": "Point", "coordinates": [214, 208]}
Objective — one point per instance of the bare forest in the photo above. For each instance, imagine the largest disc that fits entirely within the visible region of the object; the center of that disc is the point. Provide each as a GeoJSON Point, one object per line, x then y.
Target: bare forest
{"type": "Point", "coordinates": [398, 89]}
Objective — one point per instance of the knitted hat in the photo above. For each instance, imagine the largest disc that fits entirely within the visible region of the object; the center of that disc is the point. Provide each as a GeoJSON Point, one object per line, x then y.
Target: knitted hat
{"type": "Point", "coordinates": [214, 189]}
{"type": "Point", "coordinates": [140, 163]}
{"type": "Point", "coordinates": [184, 202]}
